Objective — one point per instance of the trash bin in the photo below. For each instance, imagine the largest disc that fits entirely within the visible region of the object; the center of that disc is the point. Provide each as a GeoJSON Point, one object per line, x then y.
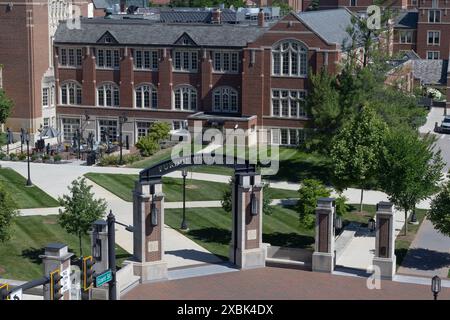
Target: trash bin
{"type": "Point", "coordinates": [90, 159]}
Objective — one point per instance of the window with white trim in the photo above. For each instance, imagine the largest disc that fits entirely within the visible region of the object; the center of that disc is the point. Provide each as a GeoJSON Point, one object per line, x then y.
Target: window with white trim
{"type": "Point", "coordinates": [146, 97]}
{"type": "Point", "coordinates": [185, 60]}
{"type": "Point", "coordinates": [434, 16]}
{"type": "Point", "coordinates": [108, 95]}
{"type": "Point", "coordinates": [225, 99]}
{"type": "Point", "coordinates": [108, 58]}
{"type": "Point", "coordinates": [70, 57]}
{"type": "Point", "coordinates": [226, 61]}
{"type": "Point", "coordinates": [145, 59]}
{"type": "Point", "coordinates": [433, 37]}
{"type": "Point", "coordinates": [433, 55]}
{"type": "Point", "coordinates": [70, 125]}
{"type": "Point", "coordinates": [185, 98]}
{"type": "Point", "coordinates": [179, 125]}
{"type": "Point", "coordinates": [108, 130]}
{"type": "Point", "coordinates": [71, 93]}
{"type": "Point", "coordinates": [289, 58]}
{"type": "Point", "coordinates": [45, 96]}
{"type": "Point", "coordinates": [143, 128]}
{"type": "Point", "coordinates": [287, 137]}
{"type": "Point", "coordinates": [288, 103]}
{"type": "Point", "coordinates": [405, 36]}
{"type": "Point", "coordinates": [46, 123]}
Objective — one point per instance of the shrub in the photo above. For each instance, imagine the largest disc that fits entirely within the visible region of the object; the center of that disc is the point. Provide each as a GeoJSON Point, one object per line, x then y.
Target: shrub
{"type": "Point", "coordinates": [130, 158]}
{"type": "Point", "coordinates": [2, 155]}
{"type": "Point", "coordinates": [22, 156]}
{"type": "Point", "coordinates": [45, 157]}
{"type": "Point", "coordinates": [57, 158]}
{"type": "Point", "coordinates": [34, 157]}
{"type": "Point", "coordinates": [13, 156]}
{"type": "Point", "coordinates": [147, 146]}
{"type": "Point", "coordinates": [109, 160]}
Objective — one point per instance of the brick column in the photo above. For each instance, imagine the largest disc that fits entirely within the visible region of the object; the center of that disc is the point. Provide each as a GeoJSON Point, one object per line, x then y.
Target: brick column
{"type": "Point", "coordinates": [324, 255]}
{"type": "Point", "coordinates": [57, 256]}
{"type": "Point", "coordinates": [246, 238]}
{"type": "Point", "coordinates": [89, 78]}
{"type": "Point", "coordinates": [126, 79]}
{"type": "Point", "coordinates": [385, 240]}
{"type": "Point", "coordinates": [148, 222]}
{"type": "Point", "coordinates": [165, 80]}
{"type": "Point", "coordinates": [206, 81]}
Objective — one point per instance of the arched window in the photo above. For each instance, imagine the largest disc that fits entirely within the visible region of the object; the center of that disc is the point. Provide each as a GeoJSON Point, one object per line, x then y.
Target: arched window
{"type": "Point", "coordinates": [185, 98]}
{"type": "Point", "coordinates": [108, 95]}
{"type": "Point", "coordinates": [289, 58]}
{"type": "Point", "coordinates": [71, 93]}
{"type": "Point", "coordinates": [225, 99]}
{"type": "Point", "coordinates": [146, 97]}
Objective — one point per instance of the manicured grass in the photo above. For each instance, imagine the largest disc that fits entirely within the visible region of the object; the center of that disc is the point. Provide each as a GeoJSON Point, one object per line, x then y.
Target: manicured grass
{"type": "Point", "coordinates": [161, 155]}
{"type": "Point", "coordinates": [196, 190]}
{"type": "Point", "coordinates": [25, 197]}
{"type": "Point", "coordinates": [19, 257]}
{"type": "Point", "coordinates": [211, 228]}
{"type": "Point", "coordinates": [402, 242]}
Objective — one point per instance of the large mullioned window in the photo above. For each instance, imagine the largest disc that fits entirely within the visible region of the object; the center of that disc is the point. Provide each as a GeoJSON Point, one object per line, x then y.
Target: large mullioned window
{"type": "Point", "coordinates": [108, 95]}
{"type": "Point", "coordinates": [146, 97]}
{"type": "Point", "coordinates": [71, 93]}
{"type": "Point", "coordinates": [225, 99]}
{"type": "Point", "coordinates": [289, 58]}
{"type": "Point", "coordinates": [185, 98]}
{"type": "Point", "coordinates": [288, 103]}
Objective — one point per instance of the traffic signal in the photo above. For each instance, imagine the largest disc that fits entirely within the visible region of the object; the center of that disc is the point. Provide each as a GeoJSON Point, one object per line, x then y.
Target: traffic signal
{"type": "Point", "coordinates": [4, 288]}
{"type": "Point", "coordinates": [88, 272]}
{"type": "Point", "coordinates": [55, 285]}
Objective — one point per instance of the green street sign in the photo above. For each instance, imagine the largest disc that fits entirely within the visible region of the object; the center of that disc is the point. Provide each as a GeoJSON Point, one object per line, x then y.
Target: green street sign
{"type": "Point", "coordinates": [103, 278]}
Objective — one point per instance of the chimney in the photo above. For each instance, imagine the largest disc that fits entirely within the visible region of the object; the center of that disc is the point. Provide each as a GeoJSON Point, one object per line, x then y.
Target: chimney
{"type": "Point", "coordinates": [216, 16]}
{"type": "Point", "coordinates": [123, 5]}
{"type": "Point", "coordinates": [261, 18]}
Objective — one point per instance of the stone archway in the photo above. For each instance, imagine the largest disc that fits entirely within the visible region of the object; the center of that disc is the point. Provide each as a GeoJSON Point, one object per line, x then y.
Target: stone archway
{"type": "Point", "coordinates": [246, 250]}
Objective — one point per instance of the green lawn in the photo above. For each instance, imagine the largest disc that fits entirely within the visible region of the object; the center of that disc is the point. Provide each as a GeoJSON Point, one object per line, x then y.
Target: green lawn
{"type": "Point", "coordinates": [19, 257]}
{"type": "Point", "coordinates": [25, 197]}
{"type": "Point", "coordinates": [161, 155]}
{"type": "Point", "coordinates": [211, 228]}
{"type": "Point", "coordinates": [196, 190]}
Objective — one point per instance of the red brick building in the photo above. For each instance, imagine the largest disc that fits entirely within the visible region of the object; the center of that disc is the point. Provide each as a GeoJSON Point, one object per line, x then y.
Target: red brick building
{"type": "Point", "coordinates": [27, 28]}
{"type": "Point", "coordinates": [224, 75]}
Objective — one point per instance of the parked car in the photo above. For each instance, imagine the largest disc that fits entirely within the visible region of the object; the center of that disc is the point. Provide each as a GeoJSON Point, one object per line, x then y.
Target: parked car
{"type": "Point", "coordinates": [444, 127]}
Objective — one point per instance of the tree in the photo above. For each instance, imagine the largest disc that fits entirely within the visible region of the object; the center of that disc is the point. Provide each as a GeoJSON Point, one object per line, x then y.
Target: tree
{"type": "Point", "coordinates": [80, 209]}
{"type": "Point", "coordinates": [356, 149]}
{"type": "Point", "coordinates": [159, 131]}
{"type": "Point", "coordinates": [6, 106]}
{"type": "Point", "coordinates": [8, 210]}
{"type": "Point", "coordinates": [410, 169]}
{"type": "Point", "coordinates": [227, 202]}
{"type": "Point", "coordinates": [439, 213]}
{"type": "Point", "coordinates": [310, 191]}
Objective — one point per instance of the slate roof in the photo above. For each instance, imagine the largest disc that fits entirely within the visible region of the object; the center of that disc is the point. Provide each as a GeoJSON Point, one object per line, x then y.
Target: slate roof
{"type": "Point", "coordinates": [147, 32]}
{"type": "Point", "coordinates": [331, 24]}
{"type": "Point", "coordinates": [430, 71]}
{"type": "Point", "coordinates": [406, 20]}
{"type": "Point", "coordinates": [104, 4]}
{"type": "Point", "coordinates": [196, 16]}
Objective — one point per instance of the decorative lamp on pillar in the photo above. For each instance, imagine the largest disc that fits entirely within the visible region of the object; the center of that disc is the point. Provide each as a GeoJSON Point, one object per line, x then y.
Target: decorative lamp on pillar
{"type": "Point", "coordinates": [254, 204]}
{"type": "Point", "coordinates": [154, 213]}
{"type": "Point", "coordinates": [337, 223]}
{"type": "Point", "coordinates": [435, 286]}
{"type": "Point", "coordinates": [371, 224]}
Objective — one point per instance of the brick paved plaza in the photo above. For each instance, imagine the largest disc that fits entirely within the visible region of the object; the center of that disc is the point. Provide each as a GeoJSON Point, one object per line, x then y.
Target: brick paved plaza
{"type": "Point", "coordinates": [277, 283]}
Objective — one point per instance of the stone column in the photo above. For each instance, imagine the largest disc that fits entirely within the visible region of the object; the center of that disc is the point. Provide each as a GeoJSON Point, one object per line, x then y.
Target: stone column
{"type": "Point", "coordinates": [148, 223]}
{"type": "Point", "coordinates": [385, 240]}
{"type": "Point", "coordinates": [57, 256]}
{"type": "Point", "coordinates": [246, 250]}
{"type": "Point", "coordinates": [324, 255]}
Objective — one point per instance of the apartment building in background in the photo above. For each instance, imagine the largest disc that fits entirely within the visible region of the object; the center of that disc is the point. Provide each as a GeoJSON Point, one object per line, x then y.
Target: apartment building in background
{"type": "Point", "coordinates": [221, 74]}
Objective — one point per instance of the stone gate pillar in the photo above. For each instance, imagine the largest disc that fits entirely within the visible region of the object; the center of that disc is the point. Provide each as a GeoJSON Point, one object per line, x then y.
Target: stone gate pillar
{"type": "Point", "coordinates": [385, 240]}
{"type": "Point", "coordinates": [246, 250]}
{"type": "Point", "coordinates": [148, 223]}
{"type": "Point", "coordinates": [324, 255]}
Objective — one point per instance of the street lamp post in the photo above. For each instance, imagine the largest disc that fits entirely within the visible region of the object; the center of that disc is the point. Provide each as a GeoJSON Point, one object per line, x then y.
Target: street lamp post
{"type": "Point", "coordinates": [183, 223]}
{"type": "Point", "coordinates": [413, 217]}
{"type": "Point", "coordinates": [436, 286]}
{"type": "Point", "coordinates": [22, 139]}
{"type": "Point", "coordinates": [29, 183]}
{"type": "Point", "coordinates": [122, 120]}
{"type": "Point", "coordinates": [78, 133]}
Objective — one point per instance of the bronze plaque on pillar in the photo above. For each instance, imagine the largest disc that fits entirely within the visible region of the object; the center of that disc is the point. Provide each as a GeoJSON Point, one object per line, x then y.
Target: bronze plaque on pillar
{"type": "Point", "coordinates": [323, 232]}
{"type": "Point", "coordinates": [383, 249]}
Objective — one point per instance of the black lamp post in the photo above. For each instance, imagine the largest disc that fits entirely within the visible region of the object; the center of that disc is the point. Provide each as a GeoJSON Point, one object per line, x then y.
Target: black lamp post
{"type": "Point", "coordinates": [27, 138]}
{"type": "Point", "coordinates": [183, 223]}
{"type": "Point", "coordinates": [9, 139]}
{"type": "Point", "coordinates": [78, 133]}
{"type": "Point", "coordinates": [413, 216]}
{"type": "Point", "coordinates": [372, 224]}
{"type": "Point", "coordinates": [22, 139]}
{"type": "Point", "coordinates": [122, 120]}
{"type": "Point", "coordinates": [435, 286]}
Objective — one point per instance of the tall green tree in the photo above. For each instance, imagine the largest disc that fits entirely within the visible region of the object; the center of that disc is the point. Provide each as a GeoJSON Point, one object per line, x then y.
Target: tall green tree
{"type": "Point", "coordinates": [8, 211]}
{"type": "Point", "coordinates": [310, 191]}
{"type": "Point", "coordinates": [356, 149]}
{"type": "Point", "coordinates": [80, 209]}
{"type": "Point", "coordinates": [439, 213]}
{"type": "Point", "coordinates": [6, 106]}
{"type": "Point", "coordinates": [410, 168]}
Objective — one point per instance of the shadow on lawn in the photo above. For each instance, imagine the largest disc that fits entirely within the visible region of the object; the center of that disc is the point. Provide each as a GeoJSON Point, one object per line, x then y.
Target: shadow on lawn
{"type": "Point", "coordinates": [217, 235]}
{"type": "Point", "coordinates": [424, 259]}
{"type": "Point", "coordinates": [33, 254]}
{"type": "Point", "coordinates": [296, 170]}
{"type": "Point", "coordinates": [292, 240]}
